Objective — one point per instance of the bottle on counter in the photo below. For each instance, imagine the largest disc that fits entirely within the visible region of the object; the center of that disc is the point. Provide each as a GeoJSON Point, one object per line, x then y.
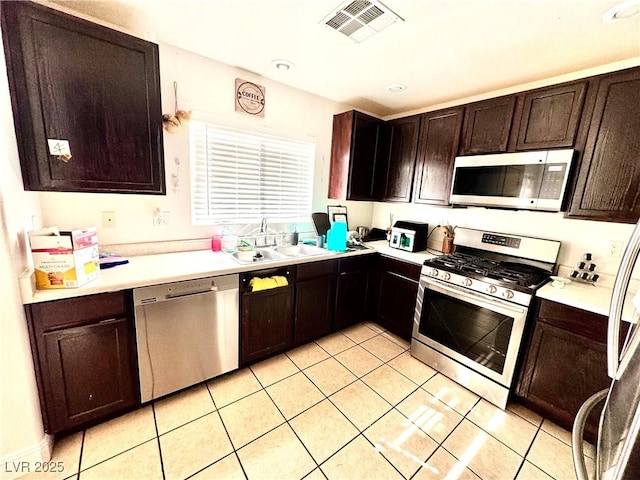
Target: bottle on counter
{"type": "Point", "coordinates": [216, 243]}
{"type": "Point", "coordinates": [337, 237]}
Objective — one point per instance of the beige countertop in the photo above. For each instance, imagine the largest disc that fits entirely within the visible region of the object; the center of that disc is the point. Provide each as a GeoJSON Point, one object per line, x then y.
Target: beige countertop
{"type": "Point", "coordinates": [596, 299]}
{"type": "Point", "coordinates": [144, 270]}
{"type": "Point", "coordinates": [382, 247]}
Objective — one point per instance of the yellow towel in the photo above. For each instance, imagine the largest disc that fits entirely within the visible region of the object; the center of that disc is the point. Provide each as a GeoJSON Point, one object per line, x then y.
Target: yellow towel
{"type": "Point", "coordinates": [258, 284]}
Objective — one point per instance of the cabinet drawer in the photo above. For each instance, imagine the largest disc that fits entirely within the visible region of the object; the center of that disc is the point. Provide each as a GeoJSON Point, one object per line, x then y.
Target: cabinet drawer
{"type": "Point", "coordinates": [355, 263]}
{"type": "Point", "coordinates": [316, 269]}
{"type": "Point", "coordinates": [405, 269]}
{"type": "Point", "coordinates": [580, 322]}
{"type": "Point", "coordinates": [79, 310]}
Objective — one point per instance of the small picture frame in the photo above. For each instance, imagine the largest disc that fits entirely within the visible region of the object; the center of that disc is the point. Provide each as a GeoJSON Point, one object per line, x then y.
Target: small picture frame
{"type": "Point", "coordinates": [337, 213]}
{"type": "Point", "coordinates": [340, 217]}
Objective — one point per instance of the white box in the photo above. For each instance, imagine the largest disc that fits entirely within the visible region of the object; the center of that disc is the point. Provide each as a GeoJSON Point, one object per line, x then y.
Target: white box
{"type": "Point", "coordinates": [64, 259]}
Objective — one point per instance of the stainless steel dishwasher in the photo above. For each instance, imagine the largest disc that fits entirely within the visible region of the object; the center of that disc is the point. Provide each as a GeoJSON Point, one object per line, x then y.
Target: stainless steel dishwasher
{"type": "Point", "coordinates": [186, 332]}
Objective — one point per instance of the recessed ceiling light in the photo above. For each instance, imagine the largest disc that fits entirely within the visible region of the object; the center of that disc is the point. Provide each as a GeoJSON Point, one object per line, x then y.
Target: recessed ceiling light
{"type": "Point", "coordinates": [281, 64]}
{"type": "Point", "coordinates": [622, 11]}
{"type": "Point", "coordinates": [396, 87]}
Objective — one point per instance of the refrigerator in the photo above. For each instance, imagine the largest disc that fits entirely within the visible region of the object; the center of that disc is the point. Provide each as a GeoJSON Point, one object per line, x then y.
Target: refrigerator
{"type": "Point", "coordinates": [618, 441]}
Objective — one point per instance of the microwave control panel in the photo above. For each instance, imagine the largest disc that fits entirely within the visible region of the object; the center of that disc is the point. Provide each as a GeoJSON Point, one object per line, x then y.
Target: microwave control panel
{"type": "Point", "coordinates": [553, 181]}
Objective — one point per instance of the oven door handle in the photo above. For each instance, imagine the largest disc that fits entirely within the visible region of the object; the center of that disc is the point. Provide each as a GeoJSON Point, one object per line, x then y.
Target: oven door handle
{"type": "Point", "coordinates": [476, 298]}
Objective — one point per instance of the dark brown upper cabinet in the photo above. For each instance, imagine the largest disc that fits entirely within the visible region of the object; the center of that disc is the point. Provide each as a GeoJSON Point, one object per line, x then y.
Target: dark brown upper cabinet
{"type": "Point", "coordinates": [94, 87]}
{"type": "Point", "coordinates": [487, 125]}
{"type": "Point", "coordinates": [608, 181]}
{"type": "Point", "coordinates": [353, 156]}
{"type": "Point", "coordinates": [400, 151]}
{"type": "Point", "coordinates": [439, 140]}
{"type": "Point", "coordinates": [550, 117]}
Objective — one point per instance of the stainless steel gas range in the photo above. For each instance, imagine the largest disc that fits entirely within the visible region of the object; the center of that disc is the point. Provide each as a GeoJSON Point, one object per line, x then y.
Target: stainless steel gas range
{"type": "Point", "coordinates": [472, 307]}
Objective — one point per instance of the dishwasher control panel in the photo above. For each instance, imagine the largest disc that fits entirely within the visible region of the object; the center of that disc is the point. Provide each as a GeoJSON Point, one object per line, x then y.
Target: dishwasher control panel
{"type": "Point", "coordinates": [167, 291]}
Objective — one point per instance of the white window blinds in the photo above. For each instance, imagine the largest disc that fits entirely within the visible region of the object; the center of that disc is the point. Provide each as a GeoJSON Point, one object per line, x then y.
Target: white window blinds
{"type": "Point", "coordinates": [239, 176]}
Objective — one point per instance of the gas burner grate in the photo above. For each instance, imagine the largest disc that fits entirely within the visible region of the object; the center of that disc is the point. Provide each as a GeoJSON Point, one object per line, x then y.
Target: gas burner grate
{"type": "Point", "coordinates": [510, 273]}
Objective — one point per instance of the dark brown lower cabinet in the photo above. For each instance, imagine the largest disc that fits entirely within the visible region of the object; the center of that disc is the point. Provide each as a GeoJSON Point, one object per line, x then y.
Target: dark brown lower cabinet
{"type": "Point", "coordinates": [351, 291]}
{"type": "Point", "coordinates": [564, 364]}
{"type": "Point", "coordinates": [314, 300]}
{"type": "Point", "coordinates": [393, 299]}
{"type": "Point", "coordinates": [85, 359]}
{"type": "Point", "coordinates": [266, 317]}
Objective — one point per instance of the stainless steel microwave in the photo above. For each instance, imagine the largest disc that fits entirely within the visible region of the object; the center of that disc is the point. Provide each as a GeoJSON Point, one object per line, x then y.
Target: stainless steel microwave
{"type": "Point", "coordinates": [523, 180]}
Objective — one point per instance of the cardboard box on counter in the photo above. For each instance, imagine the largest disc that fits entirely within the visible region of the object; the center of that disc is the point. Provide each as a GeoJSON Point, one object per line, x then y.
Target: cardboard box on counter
{"type": "Point", "coordinates": [64, 259]}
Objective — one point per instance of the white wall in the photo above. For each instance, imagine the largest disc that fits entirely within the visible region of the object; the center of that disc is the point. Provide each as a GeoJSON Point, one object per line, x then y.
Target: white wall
{"type": "Point", "coordinates": [207, 88]}
{"type": "Point", "coordinates": [22, 436]}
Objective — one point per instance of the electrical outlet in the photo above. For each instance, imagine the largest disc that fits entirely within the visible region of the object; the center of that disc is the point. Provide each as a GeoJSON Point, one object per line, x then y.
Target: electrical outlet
{"type": "Point", "coordinates": [109, 219]}
{"type": "Point", "coordinates": [161, 218]}
{"type": "Point", "coordinates": [615, 249]}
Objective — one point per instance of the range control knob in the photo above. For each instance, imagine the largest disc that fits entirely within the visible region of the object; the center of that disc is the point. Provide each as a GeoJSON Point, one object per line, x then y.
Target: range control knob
{"type": "Point", "coordinates": [467, 282]}
{"type": "Point", "coordinates": [491, 289]}
{"type": "Point", "coordinates": [446, 276]}
{"type": "Point", "coordinates": [507, 294]}
{"type": "Point", "coordinates": [433, 272]}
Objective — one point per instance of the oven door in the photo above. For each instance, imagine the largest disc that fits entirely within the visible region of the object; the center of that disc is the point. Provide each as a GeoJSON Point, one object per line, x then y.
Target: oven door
{"type": "Point", "coordinates": [471, 328]}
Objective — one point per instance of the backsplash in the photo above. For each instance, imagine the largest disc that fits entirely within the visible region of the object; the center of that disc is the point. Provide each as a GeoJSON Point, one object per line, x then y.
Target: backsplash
{"type": "Point", "coordinates": [577, 236]}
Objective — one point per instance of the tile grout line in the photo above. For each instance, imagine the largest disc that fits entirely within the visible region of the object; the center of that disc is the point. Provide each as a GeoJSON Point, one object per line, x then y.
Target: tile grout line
{"type": "Point", "coordinates": [234, 452]}
{"type": "Point", "coordinates": [326, 397]}
{"type": "Point", "coordinates": [155, 423]}
{"type": "Point", "coordinates": [286, 421]}
{"type": "Point", "coordinates": [80, 456]}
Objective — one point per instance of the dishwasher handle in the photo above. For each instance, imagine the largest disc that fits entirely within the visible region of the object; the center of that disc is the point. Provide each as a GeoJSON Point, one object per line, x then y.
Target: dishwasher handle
{"type": "Point", "coordinates": [213, 288]}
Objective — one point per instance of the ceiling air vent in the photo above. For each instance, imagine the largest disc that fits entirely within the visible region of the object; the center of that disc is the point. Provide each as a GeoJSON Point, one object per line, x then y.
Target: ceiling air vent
{"type": "Point", "coordinates": [361, 19]}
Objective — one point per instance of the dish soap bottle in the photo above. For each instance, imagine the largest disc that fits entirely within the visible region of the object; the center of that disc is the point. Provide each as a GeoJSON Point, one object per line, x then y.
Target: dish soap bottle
{"type": "Point", "coordinates": [337, 237]}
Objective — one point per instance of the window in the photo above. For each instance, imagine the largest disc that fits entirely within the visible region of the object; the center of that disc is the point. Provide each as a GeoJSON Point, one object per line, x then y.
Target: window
{"type": "Point", "coordinates": [239, 176]}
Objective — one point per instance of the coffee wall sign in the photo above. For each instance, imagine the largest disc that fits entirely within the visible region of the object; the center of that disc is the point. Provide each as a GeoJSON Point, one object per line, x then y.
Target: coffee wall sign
{"type": "Point", "coordinates": [250, 98]}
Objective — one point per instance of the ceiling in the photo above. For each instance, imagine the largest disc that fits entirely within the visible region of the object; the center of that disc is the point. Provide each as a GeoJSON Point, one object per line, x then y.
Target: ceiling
{"type": "Point", "coordinates": [443, 50]}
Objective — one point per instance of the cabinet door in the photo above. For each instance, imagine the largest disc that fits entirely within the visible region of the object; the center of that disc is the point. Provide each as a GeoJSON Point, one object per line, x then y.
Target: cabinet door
{"type": "Point", "coordinates": [314, 305]}
{"type": "Point", "coordinates": [608, 184]}
{"type": "Point", "coordinates": [561, 371]}
{"type": "Point", "coordinates": [396, 303]}
{"type": "Point", "coordinates": [351, 291]}
{"type": "Point", "coordinates": [550, 117]}
{"type": "Point", "coordinates": [353, 156]}
{"type": "Point", "coordinates": [103, 99]}
{"type": "Point", "coordinates": [267, 323]}
{"type": "Point", "coordinates": [88, 372]}
{"type": "Point", "coordinates": [400, 162]}
{"type": "Point", "coordinates": [487, 125]}
{"type": "Point", "coordinates": [439, 140]}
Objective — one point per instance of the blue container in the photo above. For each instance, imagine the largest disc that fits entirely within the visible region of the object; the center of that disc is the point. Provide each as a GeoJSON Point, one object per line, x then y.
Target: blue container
{"type": "Point", "coordinates": [337, 237]}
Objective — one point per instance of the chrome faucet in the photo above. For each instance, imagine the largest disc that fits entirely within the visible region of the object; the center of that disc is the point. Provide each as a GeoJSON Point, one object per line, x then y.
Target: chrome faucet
{"type": "Point", "coordinates": [264, 231]}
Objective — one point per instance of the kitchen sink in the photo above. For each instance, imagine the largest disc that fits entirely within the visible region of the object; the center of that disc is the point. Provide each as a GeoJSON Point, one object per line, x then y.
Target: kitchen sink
{"type": "Point", "coordinates": [278, 253]}
{"type": "Point", "coordinates": [257, 255]}
{"type": "Point", "coordinates": [301, 250]}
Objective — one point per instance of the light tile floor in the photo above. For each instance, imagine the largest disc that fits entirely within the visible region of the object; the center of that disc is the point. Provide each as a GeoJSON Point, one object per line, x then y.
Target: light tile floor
{"type": "Point", "coordinates": [351, 405]}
